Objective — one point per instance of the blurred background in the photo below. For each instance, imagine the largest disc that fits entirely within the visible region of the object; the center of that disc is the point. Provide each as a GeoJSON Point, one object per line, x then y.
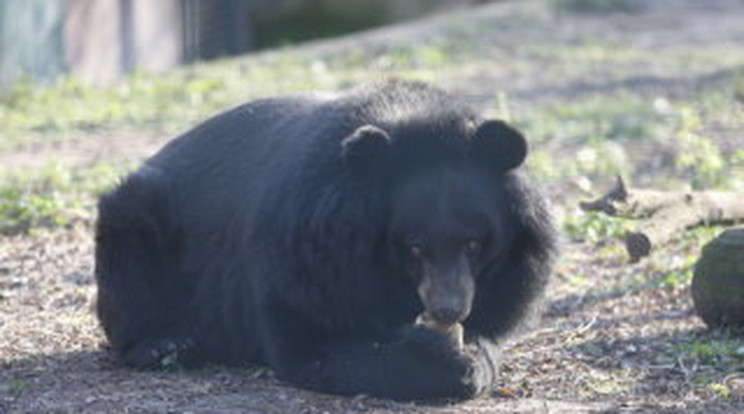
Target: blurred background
{"type": "Point", "coordinates": [99, 40]}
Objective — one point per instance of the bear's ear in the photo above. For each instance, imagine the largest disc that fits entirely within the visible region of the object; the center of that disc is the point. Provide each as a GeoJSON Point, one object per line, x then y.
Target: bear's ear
{"type": "Point", "coordinates": [366, 149]}
{"type": "Point", "coordinates": [498, 146]}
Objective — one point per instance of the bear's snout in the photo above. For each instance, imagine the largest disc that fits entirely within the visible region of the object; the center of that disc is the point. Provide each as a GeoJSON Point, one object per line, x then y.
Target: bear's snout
{"type": "Point", "coordinates": [447, 292]}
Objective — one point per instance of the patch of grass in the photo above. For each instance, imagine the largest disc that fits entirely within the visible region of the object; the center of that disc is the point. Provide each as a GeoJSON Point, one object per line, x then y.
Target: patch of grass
{"type": "Point", "coordinates": [736, 164]}
{"type": "Point", "coordinates": [586, 56]}
{"type": "Point", "coordinates": [410, 56]}
{"type": "Point", "coordinates": [594, 133]}
{"type": "Point", "coordinates": [713, 362]}
{"type": "Point", "coordinates": [720, 389]}
{"type": "Point", "coordinates": [632, 135]}
{"type": "Point", "coordinates": [677, 271]}
{"type": "Point", "coordinates": [142, 101]}
{"type": "Point", "coordinates": [739, 86]}
{"type": "Point", "coordinates": [593, 227]}
{"type": "Point", "coordinates": [14, 386]}
{"type": "Point", "coordinates": [580, 280]}
{"type": "Point", "coordinates": [673, 265]}
{"type": "Point", "coordinates": [20, 211]}
{"type": "Point", "coordinates": [597, 6]}
{"type": "Point", "coordinates": [618, 117]}
{"type": "Point", "coordinates": [699, 159]}
{"type": "Point", "coordinates": [181, 98]}
{"type": "Point", "coordinates": [601, 383]}
{"type": "Point", "coordinates": [712, 351]}
{"type": "Point", "coordinates": [54, 196]}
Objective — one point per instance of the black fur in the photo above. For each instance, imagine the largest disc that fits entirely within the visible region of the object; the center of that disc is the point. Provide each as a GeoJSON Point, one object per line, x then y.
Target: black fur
{"type": "Point", "coordinates": [276, 233]}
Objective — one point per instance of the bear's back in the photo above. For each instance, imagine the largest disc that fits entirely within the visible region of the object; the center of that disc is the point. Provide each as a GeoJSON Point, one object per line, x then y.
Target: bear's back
{"type": "Point", "coordinates": [258, 153]}
{"type": "Point", "coordinates": [302, 125]}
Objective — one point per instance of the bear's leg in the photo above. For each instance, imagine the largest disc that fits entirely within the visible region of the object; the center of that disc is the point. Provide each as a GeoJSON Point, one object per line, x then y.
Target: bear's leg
{"type": "Point", "coordinates": [413, 363]}
{"type": "Point", "coordinates": [142, 304]}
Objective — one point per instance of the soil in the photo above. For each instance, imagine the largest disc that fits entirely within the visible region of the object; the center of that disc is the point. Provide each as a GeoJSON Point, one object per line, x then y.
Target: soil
{"type": "Point", "coordinates": [607, 341]}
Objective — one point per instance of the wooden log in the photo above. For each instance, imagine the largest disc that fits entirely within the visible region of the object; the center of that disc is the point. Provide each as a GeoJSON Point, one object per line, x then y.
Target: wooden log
{"type": "Point", "coordinates": [666, 213]}
{"type": "Point", "coordinates": [635, 204]}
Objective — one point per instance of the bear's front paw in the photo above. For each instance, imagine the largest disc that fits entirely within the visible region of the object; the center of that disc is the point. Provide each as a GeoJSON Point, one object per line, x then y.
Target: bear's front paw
{"type": "Point", "coordinates": [424, 364]}
{"type": "Point", "coordinates": [482, 368]}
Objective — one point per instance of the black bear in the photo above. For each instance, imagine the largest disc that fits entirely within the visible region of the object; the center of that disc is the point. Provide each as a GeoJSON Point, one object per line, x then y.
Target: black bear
{"type": "Point", "coordinates": [375, 242]}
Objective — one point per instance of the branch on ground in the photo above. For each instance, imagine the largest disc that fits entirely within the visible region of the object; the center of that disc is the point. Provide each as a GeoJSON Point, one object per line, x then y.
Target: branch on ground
{"type": "Point", "coordinates": [667, 213]}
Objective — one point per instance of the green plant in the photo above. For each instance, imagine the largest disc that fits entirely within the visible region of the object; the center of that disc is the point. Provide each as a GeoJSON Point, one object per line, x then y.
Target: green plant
{"type": "Point", "coordinates": [20, 211]}
{"type": "Point", "coordinates": [698, 157]}
{"type": "Point", "coordinates": [736, 172]}
{"type": "Point", "coordinates": [678, 274]}
{"type": "Point", "coordinates": [712, 351]}
{"type": "Point", "coordinates": [720, 389]}
{"type": "Point", "coordinates": [53, 196]}
{"type": "Point", "coordinates": [593, 227]}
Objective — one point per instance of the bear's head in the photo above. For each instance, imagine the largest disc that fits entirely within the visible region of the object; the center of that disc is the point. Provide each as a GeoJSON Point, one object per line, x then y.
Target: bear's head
{"type": "Point", "coordinates": [449, 222]}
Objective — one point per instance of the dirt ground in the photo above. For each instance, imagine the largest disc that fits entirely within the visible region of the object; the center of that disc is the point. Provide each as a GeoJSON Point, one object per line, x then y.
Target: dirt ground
{"type": "Point", "coordinates": [601, 346]}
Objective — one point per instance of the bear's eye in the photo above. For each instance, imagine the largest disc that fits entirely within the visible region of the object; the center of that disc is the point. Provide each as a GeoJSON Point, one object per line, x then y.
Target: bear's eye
{"type": "Point", "coordinates": [472, 246]}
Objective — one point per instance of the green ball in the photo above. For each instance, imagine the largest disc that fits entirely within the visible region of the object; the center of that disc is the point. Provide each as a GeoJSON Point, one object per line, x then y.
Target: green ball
{"type": "Point", "coordinates": [718, 282]}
